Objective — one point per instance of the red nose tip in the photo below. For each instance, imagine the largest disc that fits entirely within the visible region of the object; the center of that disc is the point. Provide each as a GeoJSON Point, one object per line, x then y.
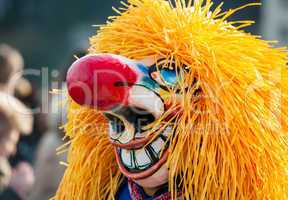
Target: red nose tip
{"type": "Point", "coordinates": [102, 81]}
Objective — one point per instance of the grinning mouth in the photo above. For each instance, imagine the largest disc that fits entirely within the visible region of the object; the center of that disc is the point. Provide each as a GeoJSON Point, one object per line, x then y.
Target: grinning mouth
{"type": "Point", "coordinates": [136, 160]}
{"type": "Point", "coordinates": [137, 156]}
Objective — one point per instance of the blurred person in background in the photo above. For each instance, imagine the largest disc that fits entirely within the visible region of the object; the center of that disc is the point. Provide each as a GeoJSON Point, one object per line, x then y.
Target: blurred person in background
{"type": "Point", "coordinates": [27, 146]}
{"type": "Point", "coordinates": [15, 119]}
{"type": "Point", "coordinates": [11, 67]}
{"type": "Point", "coordinates": [47, 165]}
{"type": "Point", "coordinates": [5, 173]}
{"type": "Point", "coordinates": [22, 160]}
{"type": "Point", "coordinates": [11, 81]}
{"type": "Point", "coordinates": [47, 168]}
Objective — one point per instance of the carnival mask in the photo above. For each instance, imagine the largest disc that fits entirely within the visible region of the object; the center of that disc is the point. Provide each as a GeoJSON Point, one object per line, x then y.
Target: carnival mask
{"type": "Point", "coordinates": [131, 95]}
{"type": "Point", "coordinates": [193, 101]}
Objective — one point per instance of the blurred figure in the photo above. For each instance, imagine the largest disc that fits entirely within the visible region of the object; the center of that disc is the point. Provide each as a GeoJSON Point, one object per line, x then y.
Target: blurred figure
{"type": "Point", "coordinates": [48, 171]}
{"type": "Point", "coordinates": [15, 118]}
{"type": "Point", "coordinates": [5, 173]}
{"type": "Point", "coordinates": [27, 93]}
{"type": "Point", "coordinates": [21, 176]}
{"type": "Point", "coordinates": [47, 166]}
{"type": "Point", "coordinates": [21, 182]}
{"type": "Point", "coordinates": [9, 136]}
{"type": "Point", "coordinates": [11, 66]}
{"type": "Point", "coordinates": [18, 182]}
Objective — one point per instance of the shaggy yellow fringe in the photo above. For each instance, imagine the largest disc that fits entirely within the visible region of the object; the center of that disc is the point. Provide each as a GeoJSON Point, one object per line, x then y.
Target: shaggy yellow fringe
{"type": "Point", "coordinates": [231, 139]}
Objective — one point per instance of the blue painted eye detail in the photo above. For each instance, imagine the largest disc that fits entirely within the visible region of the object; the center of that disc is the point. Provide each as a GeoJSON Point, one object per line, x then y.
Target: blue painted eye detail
{"type": "Point", "coordinates": [166, 77]}
{"type": "Point", "coordinates": [169, 76]}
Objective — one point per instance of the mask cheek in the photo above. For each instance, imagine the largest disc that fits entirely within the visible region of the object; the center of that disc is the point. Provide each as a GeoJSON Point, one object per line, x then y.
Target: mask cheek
{"type": "Point", "coordinates": [159, 178]}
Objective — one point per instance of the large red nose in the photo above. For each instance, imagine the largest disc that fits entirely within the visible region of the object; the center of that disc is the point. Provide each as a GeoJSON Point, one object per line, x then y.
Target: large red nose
{"type": "Point", "coordinates": [102, 81]}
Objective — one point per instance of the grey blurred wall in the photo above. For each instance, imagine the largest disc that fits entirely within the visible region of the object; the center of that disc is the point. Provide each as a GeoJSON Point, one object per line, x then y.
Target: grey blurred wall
{"type": "Point", "coordinates": [274, 25]}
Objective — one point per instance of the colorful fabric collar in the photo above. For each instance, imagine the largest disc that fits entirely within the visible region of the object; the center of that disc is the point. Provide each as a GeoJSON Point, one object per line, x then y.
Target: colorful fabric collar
{"type": "Point", "coordinates": [136, 193]}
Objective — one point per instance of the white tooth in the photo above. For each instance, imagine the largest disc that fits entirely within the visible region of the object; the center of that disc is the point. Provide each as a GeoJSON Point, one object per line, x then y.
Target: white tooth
{"type": "Point", "coordinates": [125, 137]}
{"type": "Point", "coordinates": [128, 134]}
{"type": "Point", "coordinates": [141, 157]}
{"type": "Point", "coordinates": [157, 145]}
{"type": "Point", "coordinates": [126, 157]}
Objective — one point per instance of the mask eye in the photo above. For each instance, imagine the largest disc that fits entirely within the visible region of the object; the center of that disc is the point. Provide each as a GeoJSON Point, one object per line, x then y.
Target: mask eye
{"type": "Point", "coordinates": [166, 77]}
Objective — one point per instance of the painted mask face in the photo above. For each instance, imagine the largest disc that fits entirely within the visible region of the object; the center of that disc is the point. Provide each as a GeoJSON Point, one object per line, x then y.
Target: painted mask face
{"type": "Point", "coordinates": [131, 95]}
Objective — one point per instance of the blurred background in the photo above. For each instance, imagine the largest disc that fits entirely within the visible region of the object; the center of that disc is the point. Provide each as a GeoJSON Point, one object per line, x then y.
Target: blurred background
{"type": "Point", "coordinates": [42, 36]}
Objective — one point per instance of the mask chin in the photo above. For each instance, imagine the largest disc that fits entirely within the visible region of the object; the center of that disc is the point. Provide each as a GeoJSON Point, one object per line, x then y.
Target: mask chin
{"type": "Point", "coordinates": [160, 177]}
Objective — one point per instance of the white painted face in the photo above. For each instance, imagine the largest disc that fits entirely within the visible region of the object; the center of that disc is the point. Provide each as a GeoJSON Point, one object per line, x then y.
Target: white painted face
{"type": "Point", "coordinates": [140, 156]}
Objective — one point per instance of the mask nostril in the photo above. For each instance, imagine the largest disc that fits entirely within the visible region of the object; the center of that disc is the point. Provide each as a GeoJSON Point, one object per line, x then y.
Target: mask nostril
{"type": "Point", "coordinates": [128, 122]}
{"type": "Point", "coordinates": [136, 117]}
{"type": "Point", "coordinates": [142, 120]}
{"type": "Point", "coordinates": [116, 124]}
